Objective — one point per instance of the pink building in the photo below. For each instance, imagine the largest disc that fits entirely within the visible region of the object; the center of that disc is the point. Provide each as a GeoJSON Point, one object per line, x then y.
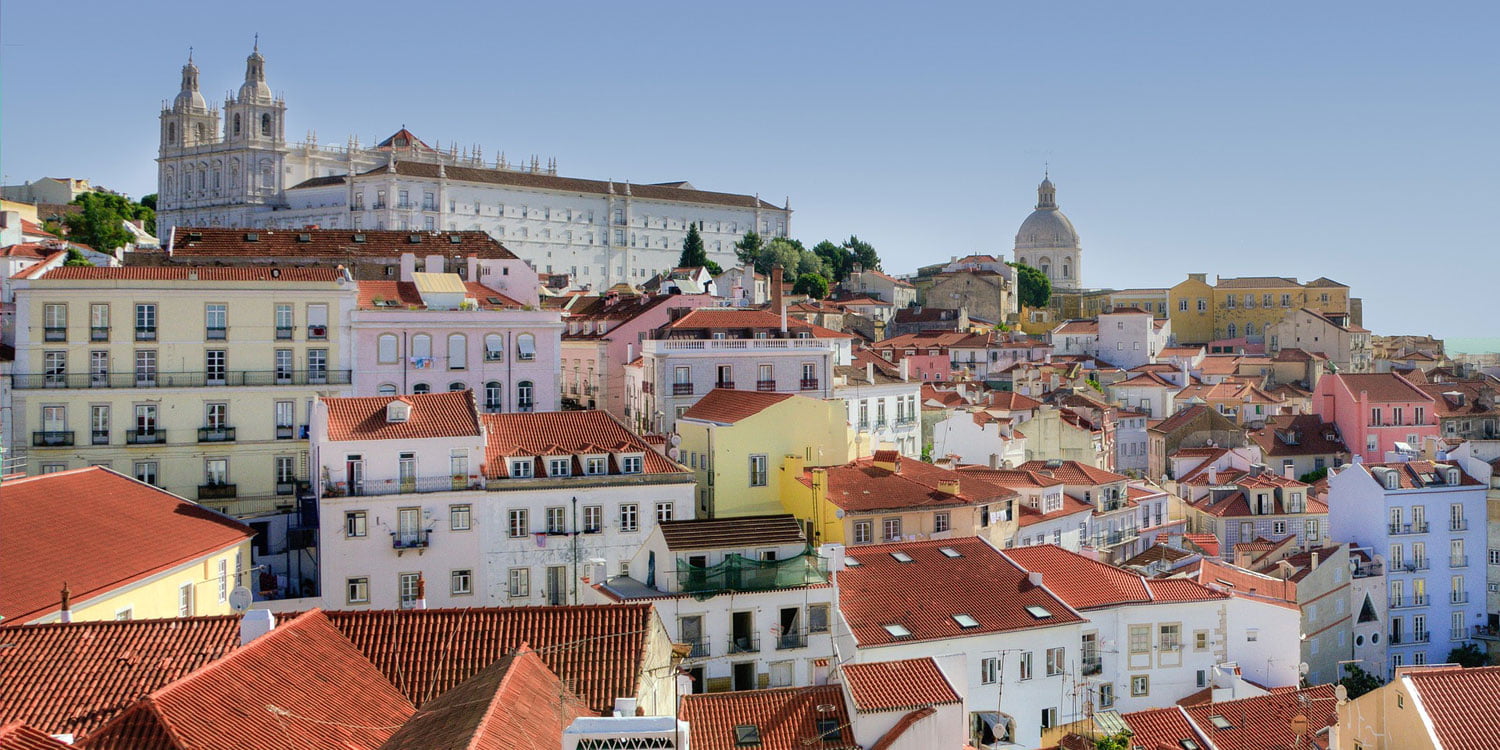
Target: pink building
{"type": "Point", "coordinates": [1374, 411]}
{"type": "Point", "coordinates": [927, 354]}
{"type": "Point", "coordinates": [604, 333]}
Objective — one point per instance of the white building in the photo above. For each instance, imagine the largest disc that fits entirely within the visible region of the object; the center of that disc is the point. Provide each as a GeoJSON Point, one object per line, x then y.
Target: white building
{"type": "Point", "coordinates": [602, 232]}
{"type": "Point", "coordinates": [1126, 338]}
{"type": "Point", "coordinates": [1046, 515]}
{"type": "Point", "coordinates": [881, 401]}
{"type": "Point", "coordinates": [747, 595]}
{"type": "Point", "coordinates": [1047, 241]}
{"type": "Point", "coordinates": [486, 510]}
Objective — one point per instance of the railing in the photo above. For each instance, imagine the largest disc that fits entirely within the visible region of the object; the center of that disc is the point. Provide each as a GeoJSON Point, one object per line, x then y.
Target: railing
{"type": "Point", "coordinates": [1487, 632]}
{"type": "Point", "coordinates": [1415, 565]}
{"type": "Point", "coordinates": [52, 438]}
{"type": "Point", "coordinates": [408, 485]}
{"type": "Point", "coordinates": [726, 384]}
{"type": "Point", "coordinates": [1113, 538]}
{"type": "Point", "coordinates": [789, 640]}
{"type": "Point", "coordinates": [493, 356]}
{"type": "Point", "coordinates": [864, 426]}
{"type": "Point", "coordinates": [905, 420]}
{"type": "Point", "coordinates": [317, 333]}
{"type": "Point", "coordinates": [217, 491]}
{"type": "Point", "coordinates": [419, 539]}
{"type": "Point", "coordinates": [284, 333]}
{"type": "Point", "coordinates": [1415, 600]}
{"type": "Point", "coordinates": [378, 205]}
{"type": "Point", "coordinates": [145, 333]}
{"type": "Point", "coordinates": [655, 346]}
{"type": "Point", "coordinates": [145, 437]}
{"type": "Point", "coordinates": [682, 389]}
{"type": "Point", "coordinates": [1458, 597]}
{"type": "Point", "coordinates": [1092, 666]}
{"type": "Point", "coordinates": [1421, 637]}
{"type": "Point", "coordinates": [285, 432]}
{"type": "Point", "coordinates": [215, 434]}
{"type": "Point", "coordinates": [216, 333]}
{"type": "Point", "coordinates": [880, 424]}
{"type": "Point", "coordinates": [1457, 634]}
{"type": "Point", "coordinates": [53, 333]}
{"type": "Point", "coordinates": [1458, 561]}
{"type": "Point", "coordinates": [765, 385]}
{"type": "Point", "coordinates": [809, 384]}
{"type": "Point", "coordinates": [99, 437]}
{"type": "Point", "coordinates": [1366, 570]}
{"type": "Point", "coordinates": [698, 646]}
{"type": "Point", "coordinates": [1397, 529]}
{"type": "Point", "coordinates": [28, 381]}
{"type": "Point", "coordinates": [286, 488]}
{"type": "Point", "coordinates": [1458, 524]}
{"type": "Point", "coordinates": [98, 333]}
{"type": "Point", "coordinates": [748, 643]}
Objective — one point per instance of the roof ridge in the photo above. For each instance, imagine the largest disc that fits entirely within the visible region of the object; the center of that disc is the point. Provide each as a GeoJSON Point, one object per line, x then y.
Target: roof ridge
{"type": "Point", "coordinates": [299, 621]}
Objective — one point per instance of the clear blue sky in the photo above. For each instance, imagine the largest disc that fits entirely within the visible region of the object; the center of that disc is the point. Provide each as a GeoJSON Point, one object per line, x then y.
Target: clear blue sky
{"type": "Point", "coordinates": [1350, 140]}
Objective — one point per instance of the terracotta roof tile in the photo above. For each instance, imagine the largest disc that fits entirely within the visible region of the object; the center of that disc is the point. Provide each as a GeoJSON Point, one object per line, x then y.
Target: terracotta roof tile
{"type": "Point", "coordinates": [1451, 697]}
{"type": "Point", "coordinates": [1256, 282]}
{"type": "Point", "coordinates": [405, 294]}
{"type": "Point", "coordinates": [923, 595]}
{"type": "Point", "coordinates": [1012, 478]}
{"type": "Point", "coordinates": [1419, 474]}
{"type": "Point", "coordinates": [433, 415]}
{"type": "Point", "coordinates": [344, 702]}
{"type": "Point", "coordinates": [130, 529]}
{"type": "Point", "coordinates": [861, 485]}
{"type": "Point", "coordinates": [71, 678]}
{"type": "Point", "coordinates": [597, 650]}
{"type": "Point", "coordinates": [1180, 419]}
{"type": "Point", "coordinates": [1161, 727]}
{"type": "Point", "coordinates": [898, 685]}
{"type": "Point", "coordinates": [1222, 576]}
{"type": "Point", "coordinates": [268, 274]}
{"type": "Point", "coordinates": [1383, 387]}
{"type": "Point", "coordinates": [190, 243]}
{"type": "Point", "coordinates": [785, 718]}
{"type": "Point", "coordinates": [565, 432]}
{"type": "Point", "coordinates": [1073, 472]}
{"type": "Point", "coordinates": [727, 406]}
{"type": "Point", "coordinates": [19, 736]}
{"type": "Point", "coordinates": [732, 533]}
{"type": "Point", "coordinates": [708, 318]}
{"type": "Point", "coordinates": [1265, 721]}
{"type": "Point", "coordinates": [1206, 542]}
{"type": "Point", "coordinates": [1298, 435]}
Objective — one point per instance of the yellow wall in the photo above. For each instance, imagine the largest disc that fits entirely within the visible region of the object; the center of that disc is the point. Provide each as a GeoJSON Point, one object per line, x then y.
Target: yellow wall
{"type": "Point", "coordinates": [1191, 325]}
{"type": "Point", "coordinates": [156, 597]}
{"type": "Point", "coordinates": [815, 431]}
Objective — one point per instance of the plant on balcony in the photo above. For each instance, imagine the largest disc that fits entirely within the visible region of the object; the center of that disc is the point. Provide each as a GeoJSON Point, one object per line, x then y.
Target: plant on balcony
{"type": "Point", "coordinates": [1120, 741]}
{"type": "Point", "coordinates": [1358, 682]}
{"type": "Point", "coordinates": [1469, 655]}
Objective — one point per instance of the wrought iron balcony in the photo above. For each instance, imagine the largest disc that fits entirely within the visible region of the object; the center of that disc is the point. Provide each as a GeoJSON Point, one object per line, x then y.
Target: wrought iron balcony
{"type": "Point", "coordinates": [765, 385]}
{"type": "Point", "coordinates": [284, 333]}
{"type": "Point", "coordinates": [744, 643]}
{"type": "Point", "coordinates": [52, 438]}
{"type": "Point", "coordinates": [285, 432]}
{"type": "Point", "coordinates": [792, 639]}
{"type": "Point", "coordinates": [145, 437]}
{"type": "Point", "coordinates": [1458, 524]}
{"type": "Point", "coordinates": [217, 491]}
{"type": "Point", "coordinates": [215, 434]}
{"type": "Point", "coordinates": [682, 389]}
{"type": "Point", "coordinates": [1092, 666]}
{"type": "Point", "coordinates": [197, 379]}
{"type": "Point", "coordinates": [809, 384]}
{"type": "Point", "coordinates": [99, 333]}
{"type": "Point", "coordinates": [99, 437]}
{"type": "Point", "coordinates": [1397, 529]}
{"type": "Point", "coordinates": [54, 333]}
{"type": "Point", "coordinates": [145, 333]}
{"type": "Point", "coordinates": [419, 539]}
{"type": "Point", "coordinates": [726, 384]}
{"type": "Point", "coordinates": [215, 333]}
{"type": "Point", "coordinates": [317, 333]}
{"type": "Point", "coordinates": [698, 647]}
{"type": "Point", "coordinates": [1458, 561]}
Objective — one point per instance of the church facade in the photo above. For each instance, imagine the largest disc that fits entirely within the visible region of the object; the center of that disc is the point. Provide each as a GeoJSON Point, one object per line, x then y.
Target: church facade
{"type": "Point", "coordinates": [235, 168]}
{"type": "Point", "coordinates": [1047, 241]}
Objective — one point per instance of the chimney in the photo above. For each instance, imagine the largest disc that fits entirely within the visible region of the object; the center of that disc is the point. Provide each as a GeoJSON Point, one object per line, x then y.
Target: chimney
{"type": "Point", "coordinates": [66, 614]}
{"type": "Point", "coordinates": [949, 485]}
{"type": "Point", "coordinates": [887, 459]}
{"type": "Point", "coordinates": [421, 592]}
{"type": "Point", "coordinates": [1290, 471]}
{"type": "Point", "coordinates": [1035, 577]}
{"type": "Point", "coordinates": [256, 623]}
{"type": "Point", "coordinates": [1213, 475]}
{"type": "Point", "coordinates": [625, 707]}
{"type": "Point", "coordinates": [870, 373]}
{"type": "Point", "coordinates": [408, 266]}
{"type": "Point", "coordinates": [905, 370]}
{"type": "Point", "coordinates": [1314, 564]}
{"type": "Point", "coordinates": [994, 460]}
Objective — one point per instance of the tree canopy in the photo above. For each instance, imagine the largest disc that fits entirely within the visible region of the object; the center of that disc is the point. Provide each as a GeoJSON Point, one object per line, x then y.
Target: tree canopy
{"type": "Point", "coordinates": [693, 253]}
{"type": "Point", "coordinates": [812, 285]}
{"type": "Point", "coordinates": [75, 258]}
{"type": "Point", "coordinates": [1469, 655]}
{"type": "Point", "coordinates": [827, 259]}
{"type": "Point", "coordinates": [1033, 286]}
{"type": "Point", "coordinates": [101, 223]}
{"type": "Point", "coordinates": [1357, 681]}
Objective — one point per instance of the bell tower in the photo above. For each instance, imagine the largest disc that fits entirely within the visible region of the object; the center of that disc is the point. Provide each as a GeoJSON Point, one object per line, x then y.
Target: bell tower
{"type": "Point", "coordinates": [255, 131]}
{"type": "Point", "coordinates": [188, 123]}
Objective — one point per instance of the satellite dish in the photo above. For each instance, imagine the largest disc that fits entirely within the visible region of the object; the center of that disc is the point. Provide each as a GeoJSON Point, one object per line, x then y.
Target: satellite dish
{"type": "Point", "coordinates": [675, 439]}
{"type": "Point", "coordinates": [240, 598]}
{"type": "Point", "coordinates": [839, 513]}
{"type": "Point", "coordinates": [673, 453]}
{"type": "Point", "coordinates": [1303, 669]}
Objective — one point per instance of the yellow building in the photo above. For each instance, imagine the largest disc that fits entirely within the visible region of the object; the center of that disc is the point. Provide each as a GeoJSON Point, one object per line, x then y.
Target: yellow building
{"type": "Point", "coordinates": [1153, 301]}
{"type": "Point", "coordinates": [94, 544]}
{"type": "Point", "coordinates": [197, 380]}
{"type": "Point", "coordinates": [1190, 308]}
{"type": "Point", "coordinates": [887, 498]}
{"type": "Point", "coordinates": [738, 443]}
{"type": "Point", "coordinates": [1244, 307]}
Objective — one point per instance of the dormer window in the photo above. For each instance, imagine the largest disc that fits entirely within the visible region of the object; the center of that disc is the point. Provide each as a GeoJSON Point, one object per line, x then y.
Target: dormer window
{"type": "Point", "coordinates": [559, 467]}
{"type": "Point", "coordinates": [631, 464]}
{"type": "Point", "coordinates": [521, 468]}
{"type": "Point", "coordinates": [397, 411]}
{"type": "Point", "coordinates": [595, 465]}
{"type": "Point", "coordinates": [1392, 480]}
{"type": "Point", "coordinates": [1452, 476]}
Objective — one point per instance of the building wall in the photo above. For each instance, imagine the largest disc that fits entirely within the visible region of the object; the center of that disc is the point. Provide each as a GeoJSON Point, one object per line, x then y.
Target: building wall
{"type": "Point", "coordinates": [900, 433]}
{"type": "Point", "coordinates": [1387, 718]}
{"type": "Point", "coordinates": [606, 357]}
{"type": "Point", "coordinates": [660, 406]}
{"type": "Point", "coordinates": [159, 595]}
{"type": "Point", "coordinates": [1191, 310]}
{"type": "Point", "coordinates": [1172, 674]}
{"type": "Point", "coordinates": [986, 296]}
{"type": "Point", "coordinates": [959, 435]}
{"type": "Point", "coordinates": [1328, 613]}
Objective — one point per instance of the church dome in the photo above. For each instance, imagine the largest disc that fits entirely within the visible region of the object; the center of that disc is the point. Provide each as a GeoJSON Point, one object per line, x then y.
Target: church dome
{"type": "Point", "coordinates": [254, 89]}
{"type": "Point", "coordinates": [190, 101]}
{"type": "Point", "coordinates": [1046, 228]}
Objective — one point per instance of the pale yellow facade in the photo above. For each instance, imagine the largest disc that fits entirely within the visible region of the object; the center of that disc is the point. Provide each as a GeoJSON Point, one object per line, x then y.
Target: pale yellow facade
{"type": "Point", "coordinates": [199, 387]}
{"type": "Point", "coordinates": [196, 587]}
{"type": "Point", "coordinates": [1190, 308]}
{"type": "Point", "coordinates": [1245, 307]}
{"type": "Point", "coordinates": [1390, 717]}
{"type": "Point", "coordinates": [727, 458]}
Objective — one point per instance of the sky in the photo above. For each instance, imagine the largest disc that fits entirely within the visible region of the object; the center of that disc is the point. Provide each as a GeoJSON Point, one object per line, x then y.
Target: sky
{"type": "Point", "coordinates": [1353, 140]}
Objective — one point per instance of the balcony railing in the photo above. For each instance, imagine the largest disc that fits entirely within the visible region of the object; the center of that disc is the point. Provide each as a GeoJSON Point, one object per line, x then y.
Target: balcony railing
{"type": "Point", "coordinates": [725, 384]}
{"type": "Point", "coordinates": [905, 420]}
{"type": "Point", "coordinates": [1415, 565]}
{"type": "Point", "coordinates": [1458, 561]}
{"type": "Point", "coordinates": [682, 389]}
{"type": "Point", "coordinates": [52, 333]}
{"type": "Point", "coordinates": [1366, 570]}
{"type": "Point", "coordinates": [1092, 666]}
{"type": "Point", "coordinates": [407, 485]}
{"type": "Point", "coordinates": [1457, 634]}
{"type": "Point", "coordinates": [215, 434]}
{"type": "Point", "coordinates": [1487, 632]}
{"type": "Point", "coordinates": [216, 333]}
{"type": "Point", "coordinates": [27, 381]}
{"type": "Point", "coordinates": [790, 640]}
{"type": "Point", "coordinates": [1458, 597]}
{"type": "Point", "coordinates": [1458, 524]}
{"type": "Point", "coordinates": [419, 539]}
{"type": "Point", "coordinates": [698, 647]}
{"type": "Point", "coordinates": [217, 491]}
{"type": "Point", "coordinates": [1414, 600]}
{"type": "Point", "coordinates": [52, 438]}
{"type": "Point", "coordinates": [1421, 637]}
{"type": "Point", "coordinates": [1398, 529]}
{"type": "Point", "coordinates": [99, 333]}
{"type": "Point", "coordinates": [284, 333]}
{"type": "Point", "coordinates": [99, 437]}
{"type": "Point", "coordinates": [145, 333]}
{"type": "Point", "coordinates": [765, 385]}
{"type": "Point", "coordinates": [745, 643]}
{"type": "Point", "coordinates": [656, 346]}
{"type": "Point", "coordinates": [145, 437]}
{"type": "Point", "coordinates": [317, 333]}
{"type": "Point", "coordinates": [809, 384]}
{"type": "Point", "coordinates": [285, 432]}
{"type": "Point", "coordinates": [1113, 538]}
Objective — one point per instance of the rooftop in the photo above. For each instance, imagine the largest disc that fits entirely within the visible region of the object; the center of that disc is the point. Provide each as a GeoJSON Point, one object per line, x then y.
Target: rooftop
{"type": "Point", "coordinates": [572, 433]}
{"type": "Point", "coordinates": [226, 242]}
{"type": "Point", "coordinates": [777, 719]}
{"type": "Point", "coordinates": [1450, 698]}
{"type": "Point", "coordinates": [266, 274]}
{"type": "Point", "coordinates": [1298, 435]}
{"type": "Point", "coordinates": [1382, 387]}
{"type": "Point", "coordinates": [728, 406]}
{"type": "Point", "coordinates": [402, 295]}
{"type": "Point", "coordinates": [897, 685]}
{"type": "Point", "coordinates": [732, 533]}
{"type": "Point", "coordinates": [1073, 472]}
{"type": "Point", "coordinates": [867, 484]}
{"type": "Point", "coordinates": [430, 415]}
{"type": "Point", "coordinates": [1085, 583]}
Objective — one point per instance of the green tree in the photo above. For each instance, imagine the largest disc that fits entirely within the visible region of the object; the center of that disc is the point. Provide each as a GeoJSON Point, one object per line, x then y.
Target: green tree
{"type": "Point", "coordinates": [148, 200]}
{"type": "Point", "coordinates": [1357, 681]}
{"type": "Point", "coordinates": [101, 223]}
{"type": "Point", "coordinates": [75, 258]}
{"type": "Point", "coordinates": [693, 253]}
{"type": "Point", "coordinates": [812, 285]}
{"type": "Point", "coordinates": [863, 253]}
{"type": "Point", "coordinates": [1313, 476]}
{"type": "Point", "coordinates": [1469, 655]}
{"type": "Point", "coordinates": [1035, 288]}
{"type": "Point", "coordinates": [1120, 741]}
{"type": "Point", "coordinates": [835, 257]}
{"type": "Point", "coordinates": [748, 251]}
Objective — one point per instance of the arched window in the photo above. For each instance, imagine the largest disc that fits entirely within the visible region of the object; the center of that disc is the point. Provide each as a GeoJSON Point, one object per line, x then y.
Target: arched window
{"type": "Point", "coordinates": [202, 133]}
{"type": "Point", "coordinates": [525, 347]}
{"type": "Point", "coordinates": [1067, 271]}
{"type": "Point", "coordinates": [458, 351]}
{"type": "Point", "coordinates": [386, 389]}
{"type": "Point", "coordinates": [523, 396]}
{"type": "Point", "coordinates": [265, 124]}
{"type": "Point", "coordinates": [494, 347]}
{"type": "Point", "coordinates": [171, 132]}
{"type": "Point", "coordinates": [492, 395]}
{"type": "Point", "coordinates": [236, 123]}
{"type": "Point", "coordinates": [1233, 330]}
{"type": "Point", "coordinates": [421, 349]}
{"type": "Point", "coordinates": [387, 349]}
{"type": "Point", "coordinates": [421, 388]}
{"type": "Point", "coordinates": [1249, 329]}
{"type": "Point", "coordinates": [456, 386]}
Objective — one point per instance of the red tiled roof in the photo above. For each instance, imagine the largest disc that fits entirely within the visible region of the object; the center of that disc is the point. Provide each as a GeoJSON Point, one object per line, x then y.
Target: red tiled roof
{"type": "Point", "coordinates": [931, 340]}
{"type": "Point", "coordinates": [433, 415]}
{"type": "Point", "coordinates": [37, 250]}
{"type": "Point", "coordinates": [898, 685]}
{"type": "Point", "coordinates": [565, 433]}
{"type": "Point", "coordinates": [403, 139]}
{"type": "Point", "coordinates": [224, 242]}
{"type": "Point", "coordinates": [727, 406]}
{"type": "Point", "coordinates": [1265, 721]}
{"type": "Point", "coordinates": [1081, 582]}
{"type": "Point", "coordinates": [71, 678]}
{"type": "Point", "coordinates": [404, 293]}
{"type": "Point", "coordinates": [785, 717]}
{"type": "Point", "coordinates": [1222, 576]}
{"type": "Point", "coordinates": [923, 595]}
{"type": "Point", "coordinates": [1074, 472]}
{"type": "Point", "coordinates": [1206, 542]}
{"type": "Point", "coordinates": [1077, 327]}
{"type": "Point", "coordinates": [130, 529]}
{"type": "Point", "coordinates": [516, 703]}
{"type": "Point", "coordinates": [1311, 436]}
{"type": "Point", "coordinates": [19, 736]}
{"type": "Point", "coordinates": [730, 317]}
{"type": "Point", "coordinates": [1160, 728]}
{"type": "Point", "coordinates": [1012, 478]}
{"type": "Point", "coordinates": [264, 695]}
{"type": "Point", "coordinates": [1182, 418]}
{"type": "Point", "coordinates": [1382, 387]}
{"type": "Point", "coordinates": [1012, 400]}
{"type": "Point", "coordinates": [1460, 703]}
{"type": "Point", "coordinates": [1412, 473]}
{"type": "Point", "coordinates": [732, 533]}
{"type": "Point", "coordinates": [612, 309]}
{"type": "Point", "coordinates": [270, 274]}
{"type": "Point", "coordinates": [598, 650]}
{"type": "Point", "coordinates": [861, 485]}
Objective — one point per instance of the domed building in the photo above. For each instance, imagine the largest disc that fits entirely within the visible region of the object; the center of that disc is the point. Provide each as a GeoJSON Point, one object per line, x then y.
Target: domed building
{"type": "Point", "coordinates": [1048, 242]}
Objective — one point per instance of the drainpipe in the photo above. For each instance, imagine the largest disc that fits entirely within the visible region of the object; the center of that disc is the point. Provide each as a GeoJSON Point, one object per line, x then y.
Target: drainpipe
{"type": "Point", "coordinates": [575, 549]}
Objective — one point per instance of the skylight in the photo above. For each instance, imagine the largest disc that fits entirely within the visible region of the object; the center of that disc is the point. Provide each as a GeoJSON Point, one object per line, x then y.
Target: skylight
{"type": "Point", "coordinates": [1220, 722]}
{"type": "Point", "coordinates": [897, 631]}
{"type": "Point", "coordinates": [746, 735]}
{"type": "Point", "coordinates": [851, 562]}
{"type": "Point", "coordinates": [901, 557]}
{"type": "Point", "coordinates": [1039, 613]}
{"type": "Point", "coordinates": [1189, 745]}
{"type": "Point", "coordinates": [965, 621]}
{"type": "Point", "coordinates": [950, 552]}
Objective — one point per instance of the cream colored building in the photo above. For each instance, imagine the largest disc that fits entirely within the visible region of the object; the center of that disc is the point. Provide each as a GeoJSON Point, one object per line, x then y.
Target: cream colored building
{"type": "Point", "coordinates": [195, 379]}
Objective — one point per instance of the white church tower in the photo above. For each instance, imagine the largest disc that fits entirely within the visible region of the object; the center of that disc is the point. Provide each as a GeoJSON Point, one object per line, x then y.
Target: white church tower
{"type": "Point", "coordinates": [1048, 242]}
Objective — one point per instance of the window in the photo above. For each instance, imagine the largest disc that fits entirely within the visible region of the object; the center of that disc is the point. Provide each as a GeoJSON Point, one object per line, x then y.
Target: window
{"type": "Point", "coordinates": [145, 471]}
{"type": "Point", "coordinates": [758, 471]}
{"type": "Point", "coordinates": [630, 515]}
{"type": "Point", "coordinates": [595, 465]}
{"type": "Point", "coordinates": [1140, 685]}
{"type": "Point", "coordinates": [492, 395]}
{"type": "Point", "coordinates": [520, 582]}
{"type": "Point", "coordinates": [520, 524]}
{"type": "Point", "coordinates": [145, 322]}
{"type": "Point", "coordinates": [1049, 717]}
{"type": "Point", "coordinates": [55, 322]}
{"type": "Point", "coordinates": [891, 529]}
{"type": "Point", "coordinates": [523, 396]}
{"type": "Point", "coordinates": [408, 586]}
{"type": "Point", "coordinates": [357, 590]}
{"type": "Point", "coordinates": [285, 416]}
{"type": "Point", "coordinates": [1169, 637]}
{"type": "Point", "coordinates": [862, 532]}
{"type": "Point", "coordinates": [317, 366]}
{"type": "Point", "coordinates": [525, 347]}
{"type": "Point", "coordinates": [1140, 639]}
{"type": "Point", "coordinates": [286, 473]}
{"type": "Point", "coordinates": [215, 321]}
{"type": "Point", "coordinates": [283, 366]}
{"type": "Point", "coordinates": [317, 321]}
{"type": "Point", "coordinates": [216, 471]}
{"type": "Point", "coordinates": [593, 519]}
{"type": "Point", "coordinates": [386, 349]}
{"type": "Point", "coordinates": [630, 465]}
{"type": "Point", "coordinates": [494, 347]}
{"type": "Point", "coordinates": [989, 670]}
{"type": "Point", "coordinates": [214, 366]}
{"type": "Point", "coordinates": [1278, 528]}
{"type": "Point", "coordinates": [1025, 665]}
{"type": "Point", "coordinates": [185, 600]}
{"type": "Point", "coordinates": [99, 425]}
{"type": "Point", "coordinates": [1106, 695]}
{"type": "Point", "coordinates": [940, 522]}
{"type": "Point", "coordinates": [559, 467]}
{"type": "Point", "coordinates": [223, 579]}
{"type": "Point", "coordinates": [1055, 661]}
{"type": "Point", "coordinates": [817, 618]}
{"type": "Point", "coordinates": [664, 511]}
{"type": "Point", "coordinates": [521, 468]}
{"type": "Point", "coordinates": [1200, 640]}
{"type": "Point", "coordinates": [458, 351]}
{"type": "Point", "coordinates": [145, 367]}
{"type": "Point", "coordinates": [461, 582]}
{"type": "Point", "coordinates": [460, 517]}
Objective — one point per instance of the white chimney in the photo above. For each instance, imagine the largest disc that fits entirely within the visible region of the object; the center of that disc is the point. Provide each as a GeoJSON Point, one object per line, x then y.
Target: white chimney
{"type": "Point", "coordinates": [624, 707]}
{"type": "Point", "coordinates": [905, 370]}
{"type": "Point", "coordinates": [1035, 578]}
{"type": "Point", "coordinates": [1290, 471]}
{"type": "Point", "coordinates": [256, 623]}
{"type": "Point", "coordinates": [1213, 474]}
